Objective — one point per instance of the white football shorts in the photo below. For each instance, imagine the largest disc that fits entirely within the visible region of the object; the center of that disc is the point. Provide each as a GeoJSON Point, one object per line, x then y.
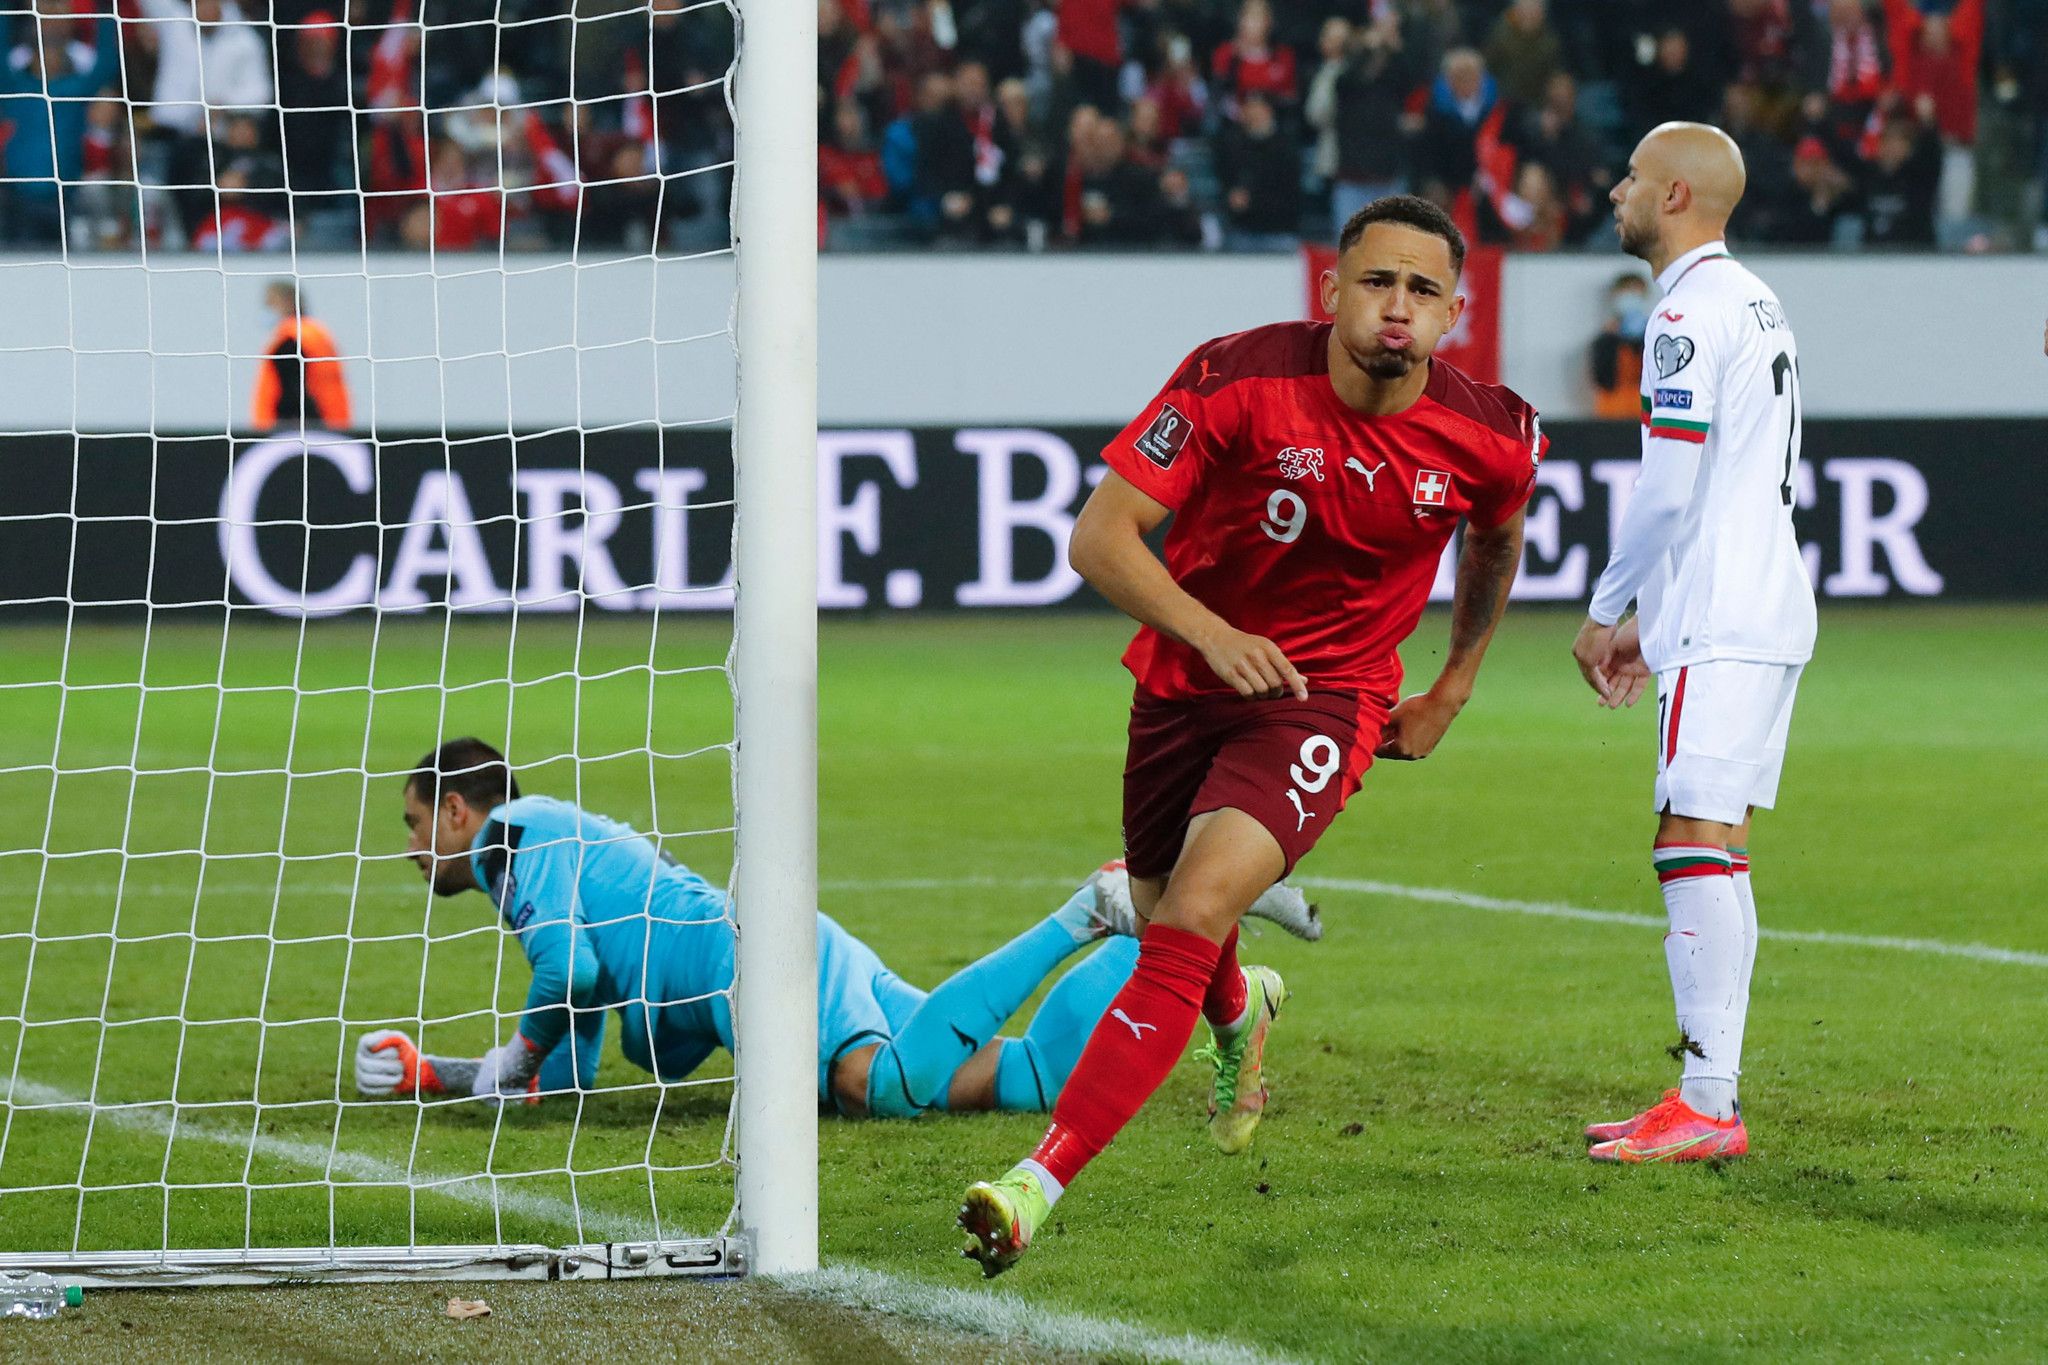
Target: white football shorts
{"type": "Point", "coordinates": [1721, 729]}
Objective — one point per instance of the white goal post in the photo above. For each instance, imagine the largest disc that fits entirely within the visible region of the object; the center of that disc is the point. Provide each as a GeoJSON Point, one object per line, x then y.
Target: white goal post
{"type": "Point", "coordinates": [204, 898]}
{"type": "Point", "coordinates": [776, 633]}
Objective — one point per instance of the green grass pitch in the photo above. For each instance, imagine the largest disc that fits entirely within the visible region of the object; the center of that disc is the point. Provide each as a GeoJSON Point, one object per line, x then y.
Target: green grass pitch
{"type": "Point", "coordinates": [1419, 1190]}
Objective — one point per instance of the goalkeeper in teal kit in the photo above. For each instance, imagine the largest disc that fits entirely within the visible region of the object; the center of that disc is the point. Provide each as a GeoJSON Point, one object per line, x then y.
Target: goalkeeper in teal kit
{"type": "Point", "coordinates": [611, 925]}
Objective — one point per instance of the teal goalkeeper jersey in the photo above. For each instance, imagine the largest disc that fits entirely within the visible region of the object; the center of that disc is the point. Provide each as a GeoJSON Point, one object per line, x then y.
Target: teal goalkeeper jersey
{"type": "Point", "coordinates": [607, 921]}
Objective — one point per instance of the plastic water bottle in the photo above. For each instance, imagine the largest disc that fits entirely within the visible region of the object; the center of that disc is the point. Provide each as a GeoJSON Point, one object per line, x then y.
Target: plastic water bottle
{"type": "Point", "coordinates": [35, 1295]}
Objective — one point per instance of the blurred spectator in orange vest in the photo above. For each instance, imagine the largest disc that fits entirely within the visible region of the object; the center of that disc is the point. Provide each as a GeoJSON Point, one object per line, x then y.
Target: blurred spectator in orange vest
{"type": "Point", "coordinates": [299, 385]}
{"type": "Point", "coordinates": [1617, 354]}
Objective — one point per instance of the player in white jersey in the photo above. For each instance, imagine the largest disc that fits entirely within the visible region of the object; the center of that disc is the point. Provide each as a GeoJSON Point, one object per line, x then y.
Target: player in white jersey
{"type": "Point", "coordinates": [1724, 610]}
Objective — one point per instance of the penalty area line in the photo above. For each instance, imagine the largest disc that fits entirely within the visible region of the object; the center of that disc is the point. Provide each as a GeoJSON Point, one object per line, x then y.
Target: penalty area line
{"type": "Point", "coordinates": [1429, 895]}
{"type": "Point", "coordinates": [1471, 900]}
{"type": "Point", "coordinates": [1467, 900]}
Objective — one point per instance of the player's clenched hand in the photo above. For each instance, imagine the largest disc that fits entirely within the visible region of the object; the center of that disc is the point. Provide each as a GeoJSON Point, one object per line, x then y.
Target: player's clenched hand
{"type": "Point", "coordinates": [1416, 725]}
{"type": "Point", "coordinates": [1254, 666]}
{"type": "Point", "coordinates": [387, 1063]}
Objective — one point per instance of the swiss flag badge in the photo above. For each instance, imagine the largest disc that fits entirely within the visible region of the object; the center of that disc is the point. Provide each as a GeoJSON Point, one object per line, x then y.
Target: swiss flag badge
{"type": "Point", "coordinates": [1432, 486]}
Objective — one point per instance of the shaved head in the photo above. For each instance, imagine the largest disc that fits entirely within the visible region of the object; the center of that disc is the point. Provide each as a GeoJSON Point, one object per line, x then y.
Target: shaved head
{"type": "Point", "coordinates": [1683, 182]}
{"type": "Point", "coordinates": [1704, 158]}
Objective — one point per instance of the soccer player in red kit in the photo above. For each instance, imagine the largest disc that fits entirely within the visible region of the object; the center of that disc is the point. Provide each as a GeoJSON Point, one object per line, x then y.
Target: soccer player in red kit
{"type": "Point", "coordinates": [1314, 473]}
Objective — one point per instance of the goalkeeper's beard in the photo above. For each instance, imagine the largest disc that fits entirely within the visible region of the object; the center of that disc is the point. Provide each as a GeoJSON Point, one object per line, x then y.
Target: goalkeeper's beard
{"type": "Point", "coordinates": [447, 877]}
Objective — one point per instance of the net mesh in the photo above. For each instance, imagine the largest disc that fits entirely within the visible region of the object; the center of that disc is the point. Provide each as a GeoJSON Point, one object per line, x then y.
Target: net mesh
{"type": "Point", "coordinates": [370, 383]}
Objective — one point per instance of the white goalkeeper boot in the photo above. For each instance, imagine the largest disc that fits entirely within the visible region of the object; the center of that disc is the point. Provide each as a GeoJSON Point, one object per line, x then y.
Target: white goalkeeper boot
{"type": "Point", "coordinates": [1282, 904]}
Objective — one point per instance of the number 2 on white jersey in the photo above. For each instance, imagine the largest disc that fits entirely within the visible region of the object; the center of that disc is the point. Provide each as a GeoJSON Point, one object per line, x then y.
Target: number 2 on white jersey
{"type": "Point", "coordinates": [1784, 378]}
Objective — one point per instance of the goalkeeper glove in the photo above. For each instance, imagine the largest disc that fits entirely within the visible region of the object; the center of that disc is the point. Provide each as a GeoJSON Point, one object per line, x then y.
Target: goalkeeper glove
{"type": "Point", "coordinates": [389, 1063]}
{"type": "Point", "coordinates": [509, 1071]}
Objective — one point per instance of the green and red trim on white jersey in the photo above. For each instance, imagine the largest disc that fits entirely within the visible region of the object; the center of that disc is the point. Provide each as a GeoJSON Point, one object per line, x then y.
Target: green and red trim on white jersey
{"type": "Point", "coordinates": [1677, 713]}
{"type": "Point", "coordinates": [1673, 428]}
{"type": "Point", "coordinates": [1712, 256]}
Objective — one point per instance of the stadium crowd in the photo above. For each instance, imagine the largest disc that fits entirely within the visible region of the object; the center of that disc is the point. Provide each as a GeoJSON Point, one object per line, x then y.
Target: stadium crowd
{"type": "Point", "coordinates": [460, 124]}
{"type": "Point", "coordinates": [1235, 124]}
{"type": "Point", "coordinates": [1246, 123]}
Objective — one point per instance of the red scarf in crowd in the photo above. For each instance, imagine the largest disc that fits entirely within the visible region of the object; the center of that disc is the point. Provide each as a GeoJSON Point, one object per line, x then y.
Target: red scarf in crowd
{"type": "Point", "coordinates": [1855, 66]}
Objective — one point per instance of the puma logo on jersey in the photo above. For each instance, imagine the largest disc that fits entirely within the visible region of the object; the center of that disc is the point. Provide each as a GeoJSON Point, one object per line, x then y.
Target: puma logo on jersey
{"type": "Point", "coordinates": [1137, 1029]}
{"type": "Point", "coordinates": [1667, 313]}
{"type": "Point", "coordinates": [1206, 375]}
{"type": "Point", "coordinates": [1353, 462]}
{"type": "Point", "coordinates": [1302, 814]}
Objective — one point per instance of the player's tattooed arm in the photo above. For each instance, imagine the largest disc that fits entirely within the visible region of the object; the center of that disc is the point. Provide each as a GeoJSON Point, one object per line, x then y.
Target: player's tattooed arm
{"type": "Point", "coordinates": [1486, 570]}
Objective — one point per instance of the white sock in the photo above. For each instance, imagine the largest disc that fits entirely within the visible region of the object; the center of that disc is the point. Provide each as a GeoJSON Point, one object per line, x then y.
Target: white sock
{"type": "Point", "coordinates": [1705, 954]}
{"type": "Point", "coordinates": [1739, 861]}
{"type": "Point", "coordinates": [1053, 1189]}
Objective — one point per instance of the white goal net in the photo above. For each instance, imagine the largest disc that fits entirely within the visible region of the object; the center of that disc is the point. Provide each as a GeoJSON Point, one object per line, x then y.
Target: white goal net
{"type": "Point", "coordinates": [370, 375]}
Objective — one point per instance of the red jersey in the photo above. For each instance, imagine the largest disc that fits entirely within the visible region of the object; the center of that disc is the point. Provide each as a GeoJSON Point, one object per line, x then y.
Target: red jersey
{"type": "Point", "coordinates": [1301, 520]}
{"type": "Point", "coordinates": [1266, 73]}
{"type": "Point", "coordinates": [237, 227]}
{"type": "Point", "coordinates": [1088, 28]}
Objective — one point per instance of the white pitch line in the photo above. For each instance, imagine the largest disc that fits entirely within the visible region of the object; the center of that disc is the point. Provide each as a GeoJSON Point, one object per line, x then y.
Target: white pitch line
{"type": "Point", "coordinates": [988, 1313]}
{"type": "Point", "coordinates": [1470, 900]}
{"type": "Point", "coordinates": [1433, 895]}
{"type": "Point", "coordinates": [475, 1190]}
{"type": "Point", "coordinates": [1981, 952]}
{"type": "Point", "coordinates": [947, 883]}
{"type": "Point", "coordinates": [985, 1314]}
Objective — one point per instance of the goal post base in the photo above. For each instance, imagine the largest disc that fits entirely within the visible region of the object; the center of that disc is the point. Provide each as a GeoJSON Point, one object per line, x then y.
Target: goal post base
{"type": "Point", "coordinates": [285, 1265]}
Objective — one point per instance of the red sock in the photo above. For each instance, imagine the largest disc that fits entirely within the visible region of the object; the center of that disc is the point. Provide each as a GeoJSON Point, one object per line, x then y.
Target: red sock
{"type": "Point", "coordinates": [1132, 1049]}
{"type": "Point", "coordinates": [1224, 1003]}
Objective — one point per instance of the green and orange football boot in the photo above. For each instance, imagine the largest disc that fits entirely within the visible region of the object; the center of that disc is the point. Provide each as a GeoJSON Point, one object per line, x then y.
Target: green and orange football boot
{"type": "Point", "coordinates": [999, 1217]}
{"type": "Point", "coordinates": [1238, 1094]}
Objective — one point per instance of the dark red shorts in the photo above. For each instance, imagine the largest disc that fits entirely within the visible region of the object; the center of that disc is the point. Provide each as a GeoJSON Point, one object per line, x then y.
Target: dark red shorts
{"type": "Point", "coordinates": [1291, 765]}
